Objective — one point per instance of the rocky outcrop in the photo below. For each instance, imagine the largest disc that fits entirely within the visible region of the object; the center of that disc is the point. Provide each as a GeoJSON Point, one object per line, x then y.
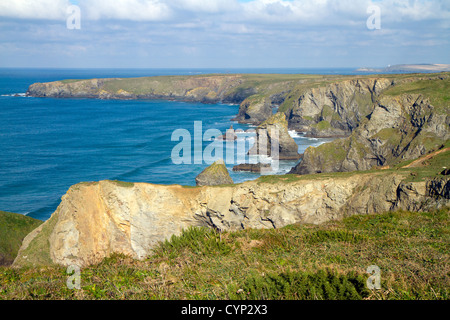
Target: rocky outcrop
{"type": "Point", "coordinates": [230, 135]}
{"type": "Point", "coordinates": [254, 110]}
{"type": "Point", "coordinates": [321, 106]}
{"type": "Point", "coordinates": [335, 109]}
{"type": "Point", "coordinates": [253, 167]}
{"type": "Point", "coordinates": [96, 219]}
{"type": "Point", "coordinates": [214, 175]}
{"type": "Point", "coordinates": [195, 88]}
{"type": "Point", "coordinates": [399, 128]}
{"type": "Point", "coordinates": [273, 136]}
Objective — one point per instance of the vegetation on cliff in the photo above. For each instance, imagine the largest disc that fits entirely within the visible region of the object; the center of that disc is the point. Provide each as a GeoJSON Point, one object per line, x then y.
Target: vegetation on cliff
{"type": "Point", "coordinates": [214, 175]}
{"type": "Point", "coordinates": [408, 120]}
{"type": "Point", "coordinates": [296, 262]}
{"type": "Point", "coordinates": [13, 229]}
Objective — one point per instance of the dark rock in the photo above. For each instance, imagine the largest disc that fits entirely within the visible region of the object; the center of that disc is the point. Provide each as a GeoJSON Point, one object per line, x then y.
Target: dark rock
{"type": "Point", "coordinates": [252, 167]}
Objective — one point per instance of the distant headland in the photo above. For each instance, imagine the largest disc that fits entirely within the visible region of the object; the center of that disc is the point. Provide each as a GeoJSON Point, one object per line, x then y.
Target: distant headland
{"type": "Point", "coordinates": [409, 68]}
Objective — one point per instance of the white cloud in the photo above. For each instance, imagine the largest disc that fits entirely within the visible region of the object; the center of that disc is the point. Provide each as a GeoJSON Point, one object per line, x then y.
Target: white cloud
{"type": "Point", "coordinates": [34, 9]}
{"type": "Point", "coordinates": [298, 12]}
{"type": "Point", "coordinates": [133, 10]}
{"type": "Point", "coordinates": [313, 30]}
{"type": "Point", "coordinates": [206, 6]}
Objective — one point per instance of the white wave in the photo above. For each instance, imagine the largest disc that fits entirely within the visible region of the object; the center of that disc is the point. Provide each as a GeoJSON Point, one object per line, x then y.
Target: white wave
{"type": "Point", "coordinates": [14, 95]}
{"type": "Point", "coordinates": [294, 134]}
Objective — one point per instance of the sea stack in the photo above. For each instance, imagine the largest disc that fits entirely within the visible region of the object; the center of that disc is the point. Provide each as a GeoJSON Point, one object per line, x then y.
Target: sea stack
{"type": "Point", "coordinates": [230, 135]}
{"type": "Point", "coordinates": [275, 129]}
{"type": "Point", "coordinates": [215, 174]}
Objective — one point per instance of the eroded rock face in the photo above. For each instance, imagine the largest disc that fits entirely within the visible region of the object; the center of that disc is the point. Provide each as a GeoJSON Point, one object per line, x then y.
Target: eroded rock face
{"type": "Point", "coordinates": [202, 89]}
{"type": "Point", "coordinates": [96, 219]}
{"type": "Point", "coordinates": [273, 134]}
{"type": "Point", "coordinates": [254, 110]}
{"type": "Point", "coordinates": [398, 129]}
{"type": "Point", "coordinates": [335, 109]}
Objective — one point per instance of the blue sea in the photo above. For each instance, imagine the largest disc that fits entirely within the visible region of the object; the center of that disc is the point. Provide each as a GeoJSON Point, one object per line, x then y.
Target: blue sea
{"type": "Point", "coordinates": [49, 144]}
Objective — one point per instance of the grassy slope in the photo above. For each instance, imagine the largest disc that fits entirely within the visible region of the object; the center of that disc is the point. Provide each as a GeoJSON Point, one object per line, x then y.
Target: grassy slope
{"type": "Point", "coordinates": [436, 90]}
{"type": "Point", "coordinates": [295, 262]}
{"type": "Point", "coordinates": [266, 84]}
{"type": "Point", "coordinates": [13, 229]}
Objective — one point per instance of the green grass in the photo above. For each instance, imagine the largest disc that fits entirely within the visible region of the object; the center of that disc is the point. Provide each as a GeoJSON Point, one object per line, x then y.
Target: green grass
{"type": "Point", "coordinates": [328, 261]}
{"type": "Point", "coordinates": [437, 90]}
{"type": "Point", "coordinates": [431, 168]}
{"type": "Point", "coordinates": [323, 125]}
{"type": "Point", "coordinates": [298, 285]}
{"type": "Point", "coordinates": [13, 229]}
{"type": "Point", "coordinates": [123, 184]}
{"type": "Point", "coordinates": [279, 178]}
{"type": "Point", "coordinates": [70, 81]}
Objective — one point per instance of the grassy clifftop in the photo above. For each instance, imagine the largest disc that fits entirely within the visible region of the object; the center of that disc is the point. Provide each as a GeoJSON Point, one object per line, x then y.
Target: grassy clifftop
{"type": "Point", "coordinates": [296, 262]}
{"type": "Point", "coordinates": [13, 229]}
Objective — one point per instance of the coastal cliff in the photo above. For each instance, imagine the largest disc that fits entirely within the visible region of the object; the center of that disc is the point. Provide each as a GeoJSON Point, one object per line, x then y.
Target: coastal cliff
{"type": "Point", "coordinates": [403, 124]}
{"type": "Point", "coordinates": [95, 220]}
{"type": "Point", "coordinates": [318, 105]}
{"type": "Point", "coordinates": [335, 109]}
{"type": "Point", "coordinates": [203, 89]}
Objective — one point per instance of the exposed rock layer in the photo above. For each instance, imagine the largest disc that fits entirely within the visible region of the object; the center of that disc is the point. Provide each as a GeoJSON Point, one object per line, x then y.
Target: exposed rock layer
{"type": "Point", "coordinates": [398, 129]}
{"type": "Point", "coordinates": [96, 219]}
{"type": "Point", "coordinates": [272, 136]}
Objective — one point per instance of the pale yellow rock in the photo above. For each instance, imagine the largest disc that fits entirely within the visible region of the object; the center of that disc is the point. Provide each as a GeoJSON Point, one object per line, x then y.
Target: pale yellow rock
{"type": "Point", "coordinates": [95, 220]}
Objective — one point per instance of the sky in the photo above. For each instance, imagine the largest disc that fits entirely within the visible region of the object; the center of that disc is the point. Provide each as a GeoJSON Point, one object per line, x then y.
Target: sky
{"type": "Point", "coordinates": [223, 33]}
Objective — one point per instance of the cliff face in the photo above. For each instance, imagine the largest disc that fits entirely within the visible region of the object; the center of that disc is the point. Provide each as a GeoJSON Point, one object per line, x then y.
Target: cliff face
{"type": "Point", "coordinates": [335, 109]}
{"type": "Point", "coordinates": [97, 219]}
{"type": "Point", "coordinates": [321, 106]}
{"type": "Point", "coordinates": [203, 89]}
{"type": "Point", "coordinates": [254, 110]}
{"type": "Point", "coordinates": [399, 128]}
{"type": "Point", "coordinates": [214, 175]}
{"type": "Point", "coordinates": [274, 132]}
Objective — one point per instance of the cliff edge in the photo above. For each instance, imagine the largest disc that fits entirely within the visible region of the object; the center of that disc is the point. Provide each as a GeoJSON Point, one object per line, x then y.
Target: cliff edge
{"type": "Point", "coordinates": [97, 219]}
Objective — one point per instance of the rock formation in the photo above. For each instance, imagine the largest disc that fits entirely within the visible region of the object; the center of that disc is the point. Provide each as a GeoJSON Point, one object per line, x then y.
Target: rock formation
{"type": "Point", "coordinates": [252, 167]}
{"type": "Point", "coordinates": [96, 219]}
{"type": "Point", "coordinates": [214, 175]}
{"type": "Point", "coordinates": [254, 110]}
{"type": "Point", "coordinates": [274, 132]}
{"type": "Point", "coordinates": [230, 135]}
{"type": "Point", "coordinates": [399, 128]}
{"type": "Point", "coordinates": [337, 108]}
